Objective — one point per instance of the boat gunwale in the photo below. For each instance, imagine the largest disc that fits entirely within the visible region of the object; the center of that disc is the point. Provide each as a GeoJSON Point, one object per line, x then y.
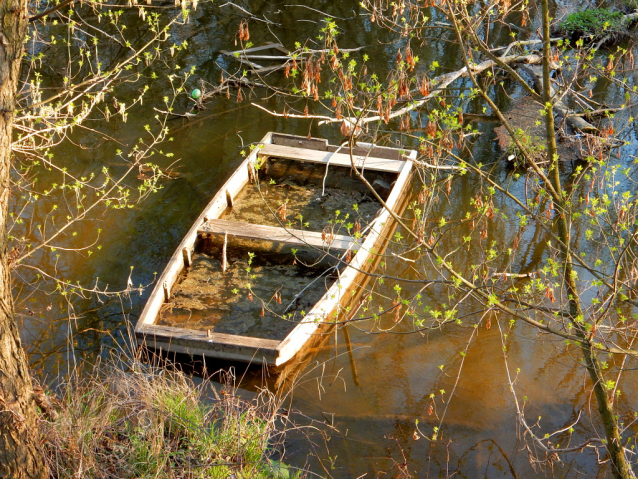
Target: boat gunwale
{"type": "Point", "coordinates": [217, 344]}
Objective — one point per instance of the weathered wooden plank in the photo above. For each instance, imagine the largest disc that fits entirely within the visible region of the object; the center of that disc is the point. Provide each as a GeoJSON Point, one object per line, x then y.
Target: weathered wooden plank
{"type": "Point", "coordinates": [272, 233]}
{"type": "Point", "coordinates": [266, 57]}
{"type": "Point", "coordinates": [175, 265]}
{"type": "Point", "coordinates": [266, 46]}
{"type": "Point", "coordinates": [300, 141]}
{"type": "Point", "coordinates": [336, 159]}
{"type": "Point", "coordinates": [211, 344]}
{"type": "Point", "coordinates": [268, 69]}
{"type": "Point", "coordinates": [345, 290]}
{"type": "Point", "coordinates": [340, 294]}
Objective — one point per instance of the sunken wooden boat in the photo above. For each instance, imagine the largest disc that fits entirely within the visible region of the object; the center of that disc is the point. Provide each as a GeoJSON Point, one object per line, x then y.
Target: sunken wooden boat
{"type": "Point", "coordinates": [281, 253]}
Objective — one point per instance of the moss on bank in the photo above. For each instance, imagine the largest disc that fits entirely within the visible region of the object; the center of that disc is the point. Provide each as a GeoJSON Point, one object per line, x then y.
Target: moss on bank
{"type": "Point", "coordinates": [151, 422]}
{"type": "Point", "coordinates": [595, 23]}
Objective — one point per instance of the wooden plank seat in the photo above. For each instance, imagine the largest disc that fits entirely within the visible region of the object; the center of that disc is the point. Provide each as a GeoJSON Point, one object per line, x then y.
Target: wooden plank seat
{"type": "Point", "coordinates": [195, 343]}
{"type": "Point", "coordinates": [337, 159]}
{"type": "Point", "coordinates": [272, 233]}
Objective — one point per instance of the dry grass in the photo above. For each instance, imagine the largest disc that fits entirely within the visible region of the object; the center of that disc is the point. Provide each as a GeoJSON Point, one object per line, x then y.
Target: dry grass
{"type": "Point", "coordinates": [150, 422]}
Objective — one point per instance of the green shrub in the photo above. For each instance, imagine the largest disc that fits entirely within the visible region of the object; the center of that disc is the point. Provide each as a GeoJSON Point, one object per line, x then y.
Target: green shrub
{"type": "Point", "coordinates": [153, 422]}
{"type": "Point", "coordinates": [594, 23]}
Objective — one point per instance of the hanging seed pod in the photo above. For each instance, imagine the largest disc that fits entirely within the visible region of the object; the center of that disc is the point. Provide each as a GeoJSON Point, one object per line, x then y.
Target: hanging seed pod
{"type": "Point", "coordinates": [423, 194]}
{"type": "Point", "coordinates": [424, 87]}
{"type": "Point", "coordinates": [246, 32]}
{"type": "Point", "coordinates": [263, 311]}
{"type": "Point", "coordinates": [240, 96]}
{"type": "Point", "coordinates": [287, 70]}
{"type": "Point", "coordinates": [431, 129]}
{"type": "Point", "coordinates": [345, 129]}
{"type": "Point", "coordinates": [420, 235]}
{"type": "Point", "coordinates": [397, 311]}
{"type": "Point", "coordinates": [250, 296]}
{"type": "Point", "coordinates": [327, 235]}
{"type": "Point", "coordinates": [282, 211]}
{"type": "Point", "coordinates": [305, 111]}
{"type": "Point", "coordinates": [403, 89]}
{"type": "Point", "coordinates": [409, 58]}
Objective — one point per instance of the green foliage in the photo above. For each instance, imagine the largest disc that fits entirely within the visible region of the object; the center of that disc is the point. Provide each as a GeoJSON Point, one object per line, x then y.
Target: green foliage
{"type": "Point", "coordinates": [156, 423]}
{"type": "Point", "coordinates": [533, 145]}
{"type": "Point", "coordinates": [594, 23]}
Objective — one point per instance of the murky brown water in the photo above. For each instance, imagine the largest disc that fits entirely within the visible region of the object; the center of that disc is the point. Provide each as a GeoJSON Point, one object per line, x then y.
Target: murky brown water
{"type": "Point", "coordinates": [367, 399]}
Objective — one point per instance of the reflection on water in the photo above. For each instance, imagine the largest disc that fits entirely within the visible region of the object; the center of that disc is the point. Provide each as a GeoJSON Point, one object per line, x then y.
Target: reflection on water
{"type": "Point", "coordinates": [369, 397]}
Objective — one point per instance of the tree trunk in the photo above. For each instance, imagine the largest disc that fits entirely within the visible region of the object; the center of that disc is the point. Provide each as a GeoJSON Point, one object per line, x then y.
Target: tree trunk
{"type": "Point", "coordinates": [619, 465]}
{"type": "Point", "coordinates": [20, 453]}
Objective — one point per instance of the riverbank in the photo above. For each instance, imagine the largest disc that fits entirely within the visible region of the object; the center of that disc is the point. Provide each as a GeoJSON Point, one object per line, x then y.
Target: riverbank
{"type": "Point", "coordinates": [129, 420]}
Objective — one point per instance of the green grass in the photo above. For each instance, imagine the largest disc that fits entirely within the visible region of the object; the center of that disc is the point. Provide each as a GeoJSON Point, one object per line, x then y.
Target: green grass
{"type": "Point", "coordinates": [155, 423]}
{"type": "Point", "coordinates": [594, 23]}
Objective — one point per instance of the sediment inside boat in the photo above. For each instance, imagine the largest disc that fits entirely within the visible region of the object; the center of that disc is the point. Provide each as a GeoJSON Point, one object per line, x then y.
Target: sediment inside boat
{"type": "Point", "coordinates": [249, 298]}
{"type": "Point", "coordinates": [259, 293]}
{"type": "Point", "coordinates": [308, 204]}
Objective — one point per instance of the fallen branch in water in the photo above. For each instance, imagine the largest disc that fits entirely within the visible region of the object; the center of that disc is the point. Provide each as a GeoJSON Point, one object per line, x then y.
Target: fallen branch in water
{"type": "Point", "coordinates": [438, 84]}
{"type": "Point", "coordinates": [170, 113]}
